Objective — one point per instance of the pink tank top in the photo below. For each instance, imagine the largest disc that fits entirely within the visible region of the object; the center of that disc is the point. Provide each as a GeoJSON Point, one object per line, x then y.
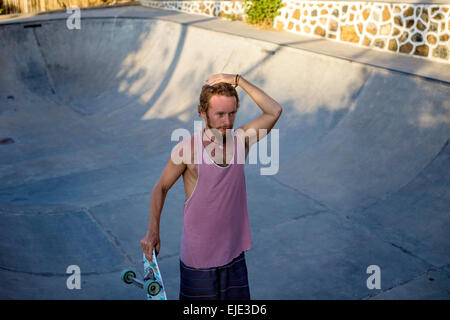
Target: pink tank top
{"type": "Point", "coordinates": [215, 218]}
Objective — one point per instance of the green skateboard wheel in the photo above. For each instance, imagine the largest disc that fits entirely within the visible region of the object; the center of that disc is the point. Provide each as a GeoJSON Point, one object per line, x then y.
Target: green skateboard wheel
{"type": "Point", "coordinates": [152, 287]}
{"type": "Point", "coordinates": [127, 275]}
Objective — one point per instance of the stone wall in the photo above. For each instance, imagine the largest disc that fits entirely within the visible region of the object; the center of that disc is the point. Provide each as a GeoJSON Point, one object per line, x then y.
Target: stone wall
{"type": "Point", "coordinates": [210, 8]}
{"type": "Point", "coordinates": [418, 29]}
{"type": "Point", "coordinates": [421, 30]}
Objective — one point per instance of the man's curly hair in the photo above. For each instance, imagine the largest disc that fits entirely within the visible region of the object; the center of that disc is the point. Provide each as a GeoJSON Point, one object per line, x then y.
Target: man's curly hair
{"type": "Point", "coordinates": [222, 89]}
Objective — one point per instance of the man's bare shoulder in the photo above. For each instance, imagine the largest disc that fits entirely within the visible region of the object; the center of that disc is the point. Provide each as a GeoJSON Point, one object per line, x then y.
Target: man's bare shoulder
{"type": "Point", "coordinates": [183, 152]}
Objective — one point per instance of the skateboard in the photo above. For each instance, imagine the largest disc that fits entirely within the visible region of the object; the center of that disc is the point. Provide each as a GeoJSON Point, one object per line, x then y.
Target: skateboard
{"type": "Point", "coordinates": [152, 282]}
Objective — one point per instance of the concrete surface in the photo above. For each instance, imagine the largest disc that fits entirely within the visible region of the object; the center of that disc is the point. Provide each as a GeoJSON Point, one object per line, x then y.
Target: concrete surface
{"type": "Point", "coordinates": [363, 170]}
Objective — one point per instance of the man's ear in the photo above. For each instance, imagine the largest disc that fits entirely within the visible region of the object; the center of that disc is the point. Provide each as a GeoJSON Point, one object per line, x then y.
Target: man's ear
{"type": "Point", "coordinates": [203, 115]}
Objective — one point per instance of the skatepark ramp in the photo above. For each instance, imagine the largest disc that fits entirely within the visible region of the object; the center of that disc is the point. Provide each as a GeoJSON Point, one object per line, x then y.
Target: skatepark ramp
{"type": "Point", "coordinates": [86, 118]}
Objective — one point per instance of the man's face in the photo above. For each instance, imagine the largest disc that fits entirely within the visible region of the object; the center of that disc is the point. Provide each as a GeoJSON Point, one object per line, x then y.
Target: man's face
{"type": "Point", "coordinates": [221, 113]}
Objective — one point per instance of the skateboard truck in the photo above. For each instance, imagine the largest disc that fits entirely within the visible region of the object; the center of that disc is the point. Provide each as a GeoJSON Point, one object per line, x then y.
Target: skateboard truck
{"type": "Point", "coordinates": [152, 282]}
{"type": "Point", "coordinates": [149, 284]}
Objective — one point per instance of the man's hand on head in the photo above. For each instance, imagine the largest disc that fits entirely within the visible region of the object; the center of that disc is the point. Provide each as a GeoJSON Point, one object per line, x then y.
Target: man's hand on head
{"type": "Point", "coordinates": [222, 77]}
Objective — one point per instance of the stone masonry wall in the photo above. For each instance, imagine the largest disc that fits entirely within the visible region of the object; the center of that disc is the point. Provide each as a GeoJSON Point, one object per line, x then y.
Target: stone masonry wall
{"type": "Point", "coordinates": [418, 29]}
{"type": "Point", "coordinates": [421, 30]}
{"type": "Point", "coordinates": [209, 8]}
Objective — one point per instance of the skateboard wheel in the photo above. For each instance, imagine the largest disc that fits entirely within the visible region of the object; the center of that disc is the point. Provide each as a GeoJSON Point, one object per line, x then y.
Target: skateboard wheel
{"type": "Point", "coordinates": [127, 275]}
{"type": "Point", "coordinates": [152, 287]}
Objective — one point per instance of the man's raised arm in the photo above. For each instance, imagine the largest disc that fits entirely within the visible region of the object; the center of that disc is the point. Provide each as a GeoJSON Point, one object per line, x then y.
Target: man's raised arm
{"type": "Point", "coordinates": [271, 110]}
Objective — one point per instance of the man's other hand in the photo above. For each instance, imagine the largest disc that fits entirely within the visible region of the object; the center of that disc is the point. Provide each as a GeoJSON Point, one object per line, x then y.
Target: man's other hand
{"type": "Point", "coordinates": [148, 242]}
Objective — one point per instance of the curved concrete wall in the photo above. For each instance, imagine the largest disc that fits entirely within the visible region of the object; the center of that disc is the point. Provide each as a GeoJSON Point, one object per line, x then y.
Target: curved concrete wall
{"type": "Point", "coordinates": [137, 71]}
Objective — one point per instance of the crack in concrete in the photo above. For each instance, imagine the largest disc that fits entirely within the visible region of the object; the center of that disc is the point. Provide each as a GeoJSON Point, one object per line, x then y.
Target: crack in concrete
{"type": "Point", "coordinates": [306, 215]}
{"type": "Point", "coordinates": [431, 268]}
{"type": "Point", "coordinates": [386, 196]}
{"type": "Point", "coordinates": [55, 274]}
{"type": "Point", "coordinates": [301, 193]}
{"type": "Point", "coordinates": [112, 239]}
{"type": "Point", "coordinates": [409, 253]}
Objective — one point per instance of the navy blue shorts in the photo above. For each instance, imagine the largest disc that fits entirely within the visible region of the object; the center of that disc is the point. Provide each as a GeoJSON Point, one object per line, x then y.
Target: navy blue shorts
{"type": "Point", "coordinates": [228, 282]}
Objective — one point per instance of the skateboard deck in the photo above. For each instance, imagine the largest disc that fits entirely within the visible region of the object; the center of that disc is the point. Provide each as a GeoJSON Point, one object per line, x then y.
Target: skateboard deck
{"type": "Point", "coordinates": [152, 282]}
{"type": "Point", "coordinates": [151, 273]}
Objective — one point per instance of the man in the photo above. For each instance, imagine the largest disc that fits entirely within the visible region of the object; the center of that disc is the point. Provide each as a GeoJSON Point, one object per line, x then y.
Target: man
{"type": "Point", "coordinates": [216, 231]}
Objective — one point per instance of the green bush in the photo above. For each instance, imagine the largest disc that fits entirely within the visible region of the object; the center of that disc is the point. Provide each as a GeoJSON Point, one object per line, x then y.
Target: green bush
{"type": "Point", "coordinates": [262, 11]}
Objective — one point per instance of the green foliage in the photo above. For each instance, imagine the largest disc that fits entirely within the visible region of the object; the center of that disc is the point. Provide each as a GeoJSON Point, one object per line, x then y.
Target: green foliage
{"type": "Point", "coordinates": [231, 17]}
{"type": "Point", "coordinates": [262, 11]}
